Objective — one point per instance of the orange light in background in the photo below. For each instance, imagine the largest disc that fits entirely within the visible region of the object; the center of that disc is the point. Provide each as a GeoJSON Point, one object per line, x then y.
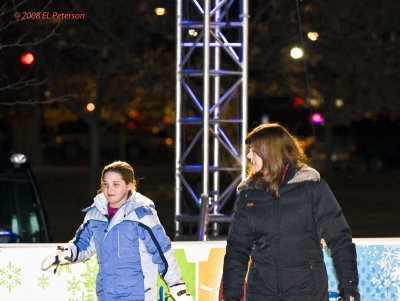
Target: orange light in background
{"type": "Point", "coordinates": [134, 114]}
{"type": "Point", "coordinates": [313, 36]}
{"type": "Point", "coordinates": [168, 119]}
{"type": "Point", "coordinates": [155, 130]}
{"type": "Point", "coordinates": [169, 141]}
{"type": "Point", "coordinates": [90, 107]}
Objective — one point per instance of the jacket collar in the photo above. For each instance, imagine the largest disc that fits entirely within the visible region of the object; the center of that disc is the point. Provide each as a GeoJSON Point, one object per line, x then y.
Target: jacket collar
{"type": "Point", "coordinates": [303, 174]}
{"type": "Point", "coordinates": [100, 202]}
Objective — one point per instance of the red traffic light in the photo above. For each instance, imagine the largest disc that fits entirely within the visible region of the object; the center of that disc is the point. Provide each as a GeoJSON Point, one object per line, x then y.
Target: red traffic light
{"type": "Point", "coordinates": [27, 58]}
{"type": "Point", "coordinates": [298, 102]}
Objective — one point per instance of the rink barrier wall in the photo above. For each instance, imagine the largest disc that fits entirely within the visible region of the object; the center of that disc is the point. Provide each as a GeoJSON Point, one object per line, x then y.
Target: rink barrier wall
{"type": "Point", "coordinates": [201, 264]}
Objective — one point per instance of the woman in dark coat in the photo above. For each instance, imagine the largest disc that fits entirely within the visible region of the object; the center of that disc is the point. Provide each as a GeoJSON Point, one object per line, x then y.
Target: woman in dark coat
{"type": "Point", "coordinates": [282, 212]}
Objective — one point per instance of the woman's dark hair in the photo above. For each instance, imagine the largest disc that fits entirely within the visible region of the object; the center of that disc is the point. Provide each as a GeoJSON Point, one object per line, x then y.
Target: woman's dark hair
{"type": "Point", "coordinates": [278, 149]}
{"type": "Point", "coordinates": [124, 169]}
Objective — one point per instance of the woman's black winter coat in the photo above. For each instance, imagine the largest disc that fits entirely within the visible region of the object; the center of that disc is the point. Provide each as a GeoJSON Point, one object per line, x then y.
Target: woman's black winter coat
{"type": "Point", "coordinates": [283, 239]}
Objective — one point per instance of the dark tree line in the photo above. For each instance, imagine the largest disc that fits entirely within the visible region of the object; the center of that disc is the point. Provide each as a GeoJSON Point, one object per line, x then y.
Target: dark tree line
{"type": "Point", "coordinates": [356, 57]}
{"type": "Point", "coordinates": [121, 56]}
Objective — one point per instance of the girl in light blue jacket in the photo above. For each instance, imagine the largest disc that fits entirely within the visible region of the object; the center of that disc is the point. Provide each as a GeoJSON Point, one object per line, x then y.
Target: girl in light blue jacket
{"type": "Point", "coordinates": [123, 229]}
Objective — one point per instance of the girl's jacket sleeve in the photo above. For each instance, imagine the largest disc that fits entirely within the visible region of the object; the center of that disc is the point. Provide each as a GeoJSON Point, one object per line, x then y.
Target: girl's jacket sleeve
{"type": "Point", "coordinates": [158, 244]}
{"type": "Point", "coordinates": [336, 232]}
{"type": "Point", "coordinates": [82, 246]}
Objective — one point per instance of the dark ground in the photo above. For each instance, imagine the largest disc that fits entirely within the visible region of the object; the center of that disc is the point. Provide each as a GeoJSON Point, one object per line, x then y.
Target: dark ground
{"type": "Point", "coordinates": [370, 200]}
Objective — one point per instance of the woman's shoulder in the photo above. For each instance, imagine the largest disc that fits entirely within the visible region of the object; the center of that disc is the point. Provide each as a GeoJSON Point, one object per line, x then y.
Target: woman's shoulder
{"type": "Point", "coordinates": [252, 182]}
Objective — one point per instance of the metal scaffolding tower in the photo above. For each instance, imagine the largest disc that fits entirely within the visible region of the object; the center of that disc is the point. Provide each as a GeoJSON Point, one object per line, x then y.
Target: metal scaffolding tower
{"type": "Point", "coordinates": [211, 112]}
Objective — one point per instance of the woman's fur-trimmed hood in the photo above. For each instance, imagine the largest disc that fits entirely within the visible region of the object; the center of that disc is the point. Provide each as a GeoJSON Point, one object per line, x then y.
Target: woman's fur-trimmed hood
{"type": "Point", "coordinates": [303, 174]}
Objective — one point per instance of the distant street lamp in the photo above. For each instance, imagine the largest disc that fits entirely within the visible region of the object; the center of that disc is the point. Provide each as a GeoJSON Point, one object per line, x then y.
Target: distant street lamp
{"type": "Point", "coordinates": [339, 103]}
{"type": "Point", "coordinates": [296, 53]}
{"type": "Point", "coordinates": [160, 11]}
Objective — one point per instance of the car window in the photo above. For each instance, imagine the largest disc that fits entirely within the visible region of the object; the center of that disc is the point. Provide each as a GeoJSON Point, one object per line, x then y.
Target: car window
{"type": "Point", "coordinates": [21, 217]}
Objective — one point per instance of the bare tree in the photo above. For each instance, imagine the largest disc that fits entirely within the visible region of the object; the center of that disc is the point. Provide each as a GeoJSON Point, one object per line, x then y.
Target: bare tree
{"type": "Point", "coordinates": [20, 33]}
{"type": "Point", "coordinates": [118, 57]}
{"type": "Point", "coordinates": [355, 58]}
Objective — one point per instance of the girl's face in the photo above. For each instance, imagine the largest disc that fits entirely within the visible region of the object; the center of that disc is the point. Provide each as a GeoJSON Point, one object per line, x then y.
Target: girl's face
{"type": "Point", "coordinates": [255, 160]}
{"type": "Point", "coordinates": [115, 189]}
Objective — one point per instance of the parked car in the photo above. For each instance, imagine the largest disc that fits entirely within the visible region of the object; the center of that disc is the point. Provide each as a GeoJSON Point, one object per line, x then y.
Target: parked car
{"type": "Point", "coordinates": [22, 216]}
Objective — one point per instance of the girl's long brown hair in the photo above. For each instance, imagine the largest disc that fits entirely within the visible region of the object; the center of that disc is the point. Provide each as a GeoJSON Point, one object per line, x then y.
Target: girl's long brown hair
{"type": "Point", "coordinates": [278, 149]}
